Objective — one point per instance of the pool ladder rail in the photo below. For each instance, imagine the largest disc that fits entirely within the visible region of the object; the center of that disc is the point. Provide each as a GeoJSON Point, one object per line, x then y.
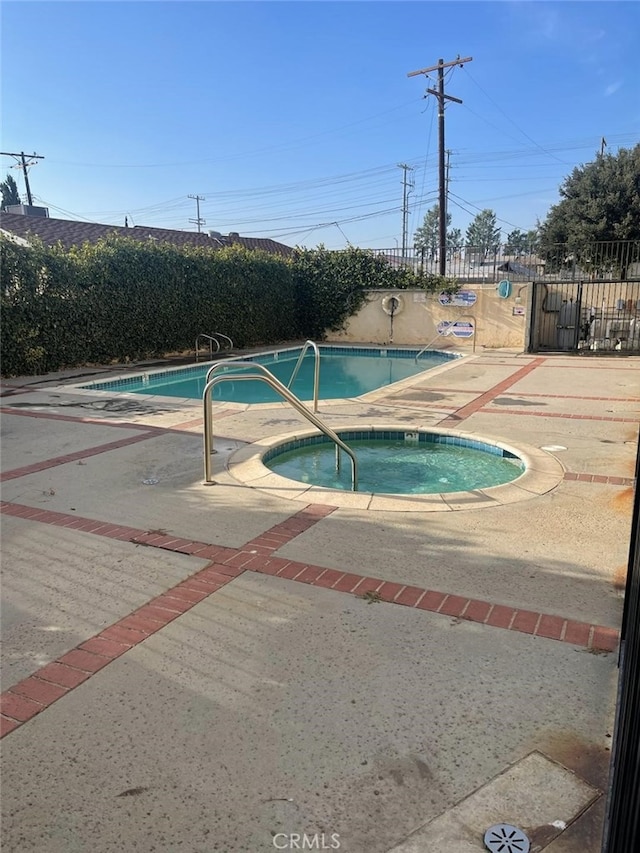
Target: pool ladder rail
{"type": "Point", "coordinates": [441, 334]}
{"type": "Point", "coordinates": [265, 375]}
{"type": "Point", "coordinates": [213, 339]}
{"type": "Point", "coordinates": [316, 370]}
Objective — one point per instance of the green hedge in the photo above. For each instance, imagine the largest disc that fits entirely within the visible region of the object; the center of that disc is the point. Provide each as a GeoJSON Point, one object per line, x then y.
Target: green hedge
{"type": "Point", "coordinates": [123, 300]}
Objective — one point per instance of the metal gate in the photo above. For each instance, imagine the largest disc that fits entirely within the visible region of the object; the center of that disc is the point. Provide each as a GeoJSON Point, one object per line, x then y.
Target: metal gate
{"type": "Point", "coordinates": [622, 822]}
{"type": "Point", "coordinates": [587, 316]}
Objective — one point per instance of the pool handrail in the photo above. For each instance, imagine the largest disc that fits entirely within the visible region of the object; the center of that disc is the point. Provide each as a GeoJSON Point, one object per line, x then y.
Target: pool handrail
{"type": "Point", "coordinates": [268, 377]}
{"type": "Point", "coordinates": [316, 370]}
{"type": "Point", "coordinates": [426, 347]}
{"type": "Point", "coordinates": [212, 339]}
{"type": "Point", "coordinates": [439, 335]}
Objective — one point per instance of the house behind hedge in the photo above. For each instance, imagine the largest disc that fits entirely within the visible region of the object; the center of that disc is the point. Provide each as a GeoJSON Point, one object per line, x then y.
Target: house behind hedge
{"type": "Point", "coordinates": [70, 233]}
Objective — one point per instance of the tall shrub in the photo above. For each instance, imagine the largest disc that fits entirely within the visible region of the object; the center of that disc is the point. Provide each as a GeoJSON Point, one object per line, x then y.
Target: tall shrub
{"type": "Point", "coordinates": [125, 300]}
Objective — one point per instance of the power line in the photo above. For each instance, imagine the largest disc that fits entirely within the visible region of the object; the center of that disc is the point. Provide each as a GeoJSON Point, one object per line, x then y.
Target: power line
{"type": "Point", "coordinates": [471, 204]}
{"type": "Point", "coordinates": [498, 107]}
{"type": "Point", "coordinates": [416, 208]}
{"type": "Point", "coordinates": [296, 143]}
{"type": "Point", "coordinates": [198, 220]}
{"type": "Point", "coordinates": [22, 164]}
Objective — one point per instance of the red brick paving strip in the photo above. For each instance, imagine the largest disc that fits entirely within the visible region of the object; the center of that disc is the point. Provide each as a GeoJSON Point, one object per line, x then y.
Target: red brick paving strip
{"type": "Point", "coordinates": [482, 400]}
{"type": "Point", "coordinates": [499, 410]}
{"type": "Point", "coordinates": [37, 692]}
{"type": "Point", "coordinates": [180, 428]}
{"type": "Point", "coordinates": [581, 397]}
{"type": "Point", "coordinates": [33, 694]}
{"type": "Point", "coordinates": [51, 416]}
{"type": "Point", "coordinates": [599, 478]}
{"type": "Point", "coordinates": [73, 457]}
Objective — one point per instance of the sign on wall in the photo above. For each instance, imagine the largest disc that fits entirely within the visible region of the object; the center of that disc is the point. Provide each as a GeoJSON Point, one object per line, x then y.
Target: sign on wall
{"type": "Point", "coordinates": [461, 299]}
{"type": "Point", "coordinates": [459, 328]}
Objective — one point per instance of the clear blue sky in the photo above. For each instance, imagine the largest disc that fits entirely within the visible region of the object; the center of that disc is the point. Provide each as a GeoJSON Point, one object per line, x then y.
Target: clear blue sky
{"type": "Point", "coordinates": [290, 116]}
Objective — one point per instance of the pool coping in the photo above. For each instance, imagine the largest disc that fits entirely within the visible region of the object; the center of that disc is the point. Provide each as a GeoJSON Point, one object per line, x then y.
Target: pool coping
{"type": "Point", "coordinates": [543, 472]}
{"type": "Point", "coordinates": [454, 357]}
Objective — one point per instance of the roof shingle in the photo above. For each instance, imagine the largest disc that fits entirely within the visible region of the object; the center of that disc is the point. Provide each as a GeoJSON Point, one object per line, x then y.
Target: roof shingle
{"type": "Point", "coordinates": [71, 233]}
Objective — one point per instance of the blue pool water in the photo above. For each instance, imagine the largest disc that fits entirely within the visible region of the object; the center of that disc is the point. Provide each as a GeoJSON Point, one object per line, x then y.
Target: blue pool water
{"type": "Point", "coordinates": [344, 372]}
{"type": "Point", "coordinates": [391, 462]}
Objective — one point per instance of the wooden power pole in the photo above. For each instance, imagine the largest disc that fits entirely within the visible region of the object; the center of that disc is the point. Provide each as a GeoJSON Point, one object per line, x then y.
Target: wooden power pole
{"type": "Point", "coordinates": [440, 95]}
{"type": "Point", "coordinates": [198, 220]}
{"type": "Point", "coordinates": [22, 164]}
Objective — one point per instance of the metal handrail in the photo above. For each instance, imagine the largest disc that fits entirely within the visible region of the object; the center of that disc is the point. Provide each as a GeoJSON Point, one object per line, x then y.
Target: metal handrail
{"type": "Point", "coordinates": [226, 337]}
{"type": "Point", "coordinates": [211, 342]}
{"type": "Point", "coordinates": [212, 339]}
{"type": "Point", "coordinates": [426, 347]}
{"type": "Point", "coordinates": [298, 405]}
{"type": "Point", "coordinates": [459, 317]}
{"type": "Point", "coordinates": [316, 371]}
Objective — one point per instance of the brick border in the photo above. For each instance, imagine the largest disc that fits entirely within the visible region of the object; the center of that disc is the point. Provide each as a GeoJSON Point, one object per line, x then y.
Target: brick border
{"type": "Point", "coordinates": [76, 419]}
{"type": "Point", "coordinates": [487, 396]}
{"type": "Point", "coordinates": [45, 464]}
{"type": "Point", "coordinates": [599, 478]}
{"type": "Point", "coordinates": [502, 411]}
{"type": "Point", "coordinates": [49, 683]}
{"type": "Point", "coordinates": [179, 428]}
{"type": "Point", "coordinates": [38, 691]}
{"type": "Point", "coordinates": [583, 397]}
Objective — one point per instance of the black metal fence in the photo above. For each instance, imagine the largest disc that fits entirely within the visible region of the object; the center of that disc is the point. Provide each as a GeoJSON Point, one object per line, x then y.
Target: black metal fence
{"type": "Point", "coordinates": [603, 261]}
{"type": "Point", "coordinates": [622, 821]}
{"type": "Point", "coordinates": [586, 316]}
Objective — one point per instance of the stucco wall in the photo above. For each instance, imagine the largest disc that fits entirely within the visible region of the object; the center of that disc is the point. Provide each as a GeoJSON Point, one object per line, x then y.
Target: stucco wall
{"type": "Point", "coordinates": [494, 322]}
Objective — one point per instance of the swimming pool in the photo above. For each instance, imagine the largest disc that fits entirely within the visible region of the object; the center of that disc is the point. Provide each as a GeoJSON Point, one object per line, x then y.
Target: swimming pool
{"type": "Point", "coordinates": [397, 462]}
{"type": "Point", "coordinates": [344, 372]}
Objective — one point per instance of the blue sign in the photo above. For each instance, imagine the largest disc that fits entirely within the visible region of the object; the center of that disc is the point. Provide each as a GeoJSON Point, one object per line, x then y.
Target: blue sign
{"type": "Point", "coordinates": [444, 328]}
{"type": "Point", "coordinates": [459, 328]}
{"type": "Point", "coordinates": [461, 299]}
{"type": "Point", "coordinates": [462, 330]}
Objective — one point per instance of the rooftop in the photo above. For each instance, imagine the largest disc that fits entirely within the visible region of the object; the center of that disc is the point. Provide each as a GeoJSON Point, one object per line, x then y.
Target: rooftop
{"type": "Point", "coordinates": [73, 233]}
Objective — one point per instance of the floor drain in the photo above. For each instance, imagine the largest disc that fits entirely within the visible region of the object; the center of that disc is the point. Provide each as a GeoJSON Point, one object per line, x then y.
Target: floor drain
{"type": "Point", "coordinates": [504, 838]}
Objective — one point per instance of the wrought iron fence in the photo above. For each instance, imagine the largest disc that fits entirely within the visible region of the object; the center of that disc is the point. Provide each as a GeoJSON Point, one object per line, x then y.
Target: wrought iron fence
{"type": "Point", "coordinates": [604, 261]}
{"type": "Point", "coordinates": [590, 316]}
{"type": "Point", "coordinates": [622, 821]}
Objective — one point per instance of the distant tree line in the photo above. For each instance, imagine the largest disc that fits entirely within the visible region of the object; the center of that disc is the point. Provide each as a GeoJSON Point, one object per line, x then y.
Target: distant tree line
{"type": "Point", "coordinates": [599, 203]}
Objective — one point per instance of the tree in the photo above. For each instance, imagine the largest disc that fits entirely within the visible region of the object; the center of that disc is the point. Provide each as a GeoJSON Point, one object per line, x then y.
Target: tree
{"type": "Point", "coordinates": [454, 241]}
{"type": "Point", "coordinates": [483, 234]}
{"type": "Point", "coordinates": [599, 203]}
{"type": "Point", "coordinates": [533, 239]}
{"type": "Point", "coordinates": [427, 237]}
{"type": "Point", "coordinates": [454, 238]}
{"type": "Point", "coordinates": [516, 243]}
{"type": "Point", "coordinates": [521, 242]}
{"type": "Point", "coordinates": [10, 194]}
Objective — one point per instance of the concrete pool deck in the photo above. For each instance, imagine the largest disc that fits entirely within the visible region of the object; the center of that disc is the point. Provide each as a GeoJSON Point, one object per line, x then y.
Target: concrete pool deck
{"type": "Point", "coordinates": [222, 668]}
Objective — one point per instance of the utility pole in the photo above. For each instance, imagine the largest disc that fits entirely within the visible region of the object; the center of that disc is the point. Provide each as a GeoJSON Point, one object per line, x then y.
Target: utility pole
{"type": "Point", "coordinates": [603, 145]}
{"type": "Point", "coordinates": [198, 220]}
{"type": "Point", "coordinates": [407, 186]}
{"type": "Point", "coordinates": [22, 164]}
{"type": "Point", "coordinates": [446, 180]}
{"type": "Point", "coordinates": [440, 95]}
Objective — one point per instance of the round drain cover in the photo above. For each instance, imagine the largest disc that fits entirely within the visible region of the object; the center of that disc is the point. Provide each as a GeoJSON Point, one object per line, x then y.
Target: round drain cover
{"type": "Point", "coordinates": [504, 838]}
